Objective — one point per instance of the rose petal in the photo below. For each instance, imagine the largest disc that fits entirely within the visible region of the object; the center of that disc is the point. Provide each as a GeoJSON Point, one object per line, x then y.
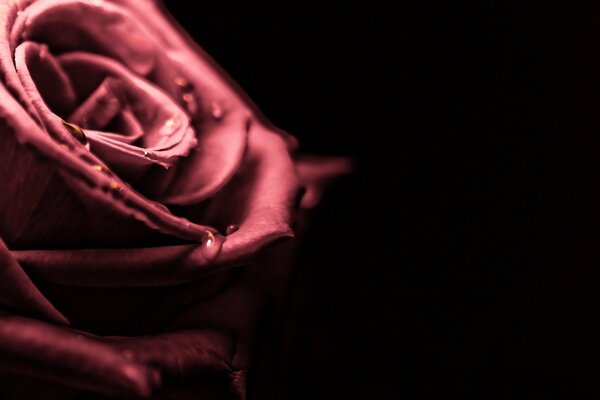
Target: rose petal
{"type": "Point", "coordinates": [19, 293]}
{"type": "Point", "coordinates": [58, 23]}
{"type": "Point", "coordinates": [180, 353]}
{"type": "Point", "coordinates": [150, 266]}
{"type": "Point", "coordinates": [62, 355]}
{"type": "Point", "coordinates": [209, 79]}
{"type": "Point", "coordinates": [155, 111]}
{"type": "Point", "coordinates": [131, 310]}
{"type": "Point", "coordinates": [316, 173]}
{"type": "Point", "coordinates": [260, 200]}
{"type": "Point", "coordinates": [220, 152]}
{"type": "Point", "coordinates": [53, 84]}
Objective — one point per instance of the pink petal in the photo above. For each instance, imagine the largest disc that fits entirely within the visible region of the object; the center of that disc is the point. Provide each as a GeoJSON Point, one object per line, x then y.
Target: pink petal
{"type": "Point", "coordinates": [261, 199]}
{"type": "Point", "coordinates": [58, 23]}
{"type": "Point", "coordinates": [316, 173]}
{"type": "Point", "coordinates": [220, 152]}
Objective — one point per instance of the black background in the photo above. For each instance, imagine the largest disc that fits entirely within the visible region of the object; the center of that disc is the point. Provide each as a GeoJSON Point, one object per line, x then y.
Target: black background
{"type": "Point", "coordinates": [463, 256]}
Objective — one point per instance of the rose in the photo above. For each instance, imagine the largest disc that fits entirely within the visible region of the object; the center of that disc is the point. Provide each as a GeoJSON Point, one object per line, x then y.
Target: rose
{"type": "Point", "coordinates": [134, 176]}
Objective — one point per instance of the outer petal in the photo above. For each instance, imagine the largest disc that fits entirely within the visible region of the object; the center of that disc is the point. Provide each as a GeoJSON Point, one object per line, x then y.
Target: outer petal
{"type": "Point", "coordinates": [62, 355]}
{"type": "Point", "coordinates": [261, 200]}
{"type": "Point", "coordinates": [17, 292]}
{"type": "Point", "coordinates": [143, 266]}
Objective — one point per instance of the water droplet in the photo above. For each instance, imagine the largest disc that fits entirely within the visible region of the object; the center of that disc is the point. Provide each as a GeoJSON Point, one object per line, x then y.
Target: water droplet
{"type": "Point", "coordinates": [116, 187]}
{"type": "Point", "coordinates": [100, 168]}
{"type": "Point", "coordinates": [184, 85]}
{"type": "Point", "coordinates": [231, 228]}
{"type": "Point", "coordinates": [148, 154]}
{"type": "Point", "coordinates": [170, 123]}
{"type": "Point", "coordinates": [76, 132]}
{"type": "Point", "coordinates": [208, 240]}
{"type": "Point", "coordinates": [161, 207]}
{"type": "Point", "coordinates": [211, 244]}
{"type": "Point", "coordinates": [43, 53]}
{"type": "Point", "coordinates": [216, 110]}
{"type": "Point", "coordinates": [191, 104]}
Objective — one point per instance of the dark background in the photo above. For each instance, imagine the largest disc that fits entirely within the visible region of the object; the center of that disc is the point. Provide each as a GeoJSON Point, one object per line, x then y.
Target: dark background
{"type": "Point", "coordinates": [463, 256]}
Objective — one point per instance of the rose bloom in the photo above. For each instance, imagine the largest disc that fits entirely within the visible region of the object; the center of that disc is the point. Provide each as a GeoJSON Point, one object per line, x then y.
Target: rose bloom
{"type": "Point", "coordinates": [144, 205]}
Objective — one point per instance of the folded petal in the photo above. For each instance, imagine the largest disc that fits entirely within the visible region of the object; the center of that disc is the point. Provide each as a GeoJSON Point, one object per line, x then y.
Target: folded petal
{"type": "Point", "coordinates": [65, 356]}
{"type": "Point", "coordinates": [180, 353]}
{"type": "Point", "coordinates": [260, 200]}
{"type": "Point", "coordinates": [142, 266]}
{"type": "Point", "coordinates": [18, 293]}
{"type": "Point", "coordinates": [221, 148]}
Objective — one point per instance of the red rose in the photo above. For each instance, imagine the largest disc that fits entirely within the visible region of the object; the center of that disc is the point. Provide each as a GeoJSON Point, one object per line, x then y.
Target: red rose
{"type": "Point", "coordinates": [134, 175]}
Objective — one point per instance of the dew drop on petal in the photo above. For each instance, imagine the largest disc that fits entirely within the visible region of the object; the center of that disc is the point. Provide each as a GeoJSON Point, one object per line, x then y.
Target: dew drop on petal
{"type": "Point", "coordinates": [208, 240]}
{"type": "Point", "coordinates": [191, 104]}
{"type": "Point", "coordinates": [43, 52]}
{"type": "Point", "coordinates": [216, 110]}
{"type": "Point", "coordinates": [77, 133]}
{"type": "Point", "coordinates": [100, 168]}
{"type": "Point", "coordinates": [161, 207]}
{"type": "Point", "coordinates": [184, 85]}
{"type": "Point", "coordinates": [116, 187]}
{"type": "Point", "coordinates": [231, 228]}
{"type": "Point", "coordinates": [211, 244]}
